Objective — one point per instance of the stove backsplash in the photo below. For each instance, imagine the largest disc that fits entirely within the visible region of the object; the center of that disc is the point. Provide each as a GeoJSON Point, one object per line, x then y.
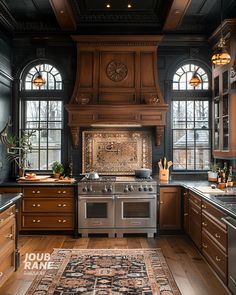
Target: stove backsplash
{"type": "Point", "coordinates": [116, 151]}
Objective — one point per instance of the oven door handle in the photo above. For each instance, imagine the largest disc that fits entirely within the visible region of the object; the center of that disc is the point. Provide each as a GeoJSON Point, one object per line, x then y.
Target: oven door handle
{"type": "Point", "coordinates": [135, 197]}
{"type": "Point", "coordinates": [229, 221]}
{"type": "Point", "coordinates": [97, 198]}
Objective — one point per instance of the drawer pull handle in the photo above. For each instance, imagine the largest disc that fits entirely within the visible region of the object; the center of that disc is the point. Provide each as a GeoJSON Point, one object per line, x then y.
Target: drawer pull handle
{"type": "Point", "coordinates": [12, 213]}
{"type": "Point", "coordinates": [38, 192]}
{"type": "Point", "coordinates": [59, 205]}
{"type": "Point", "coordinates": [64, 192]}
{"type": "Point", "coordinates": [185, 194]}
{"type": "Point", "coordinates": [58, 192]}
{"type": "Point", "coordinates": [38, 220]}
{"type": "Point", "coordinates": [204, 224]}
{"type": "Point", "coordinates": [64, 205]}
{"type": "Point", "coordinates": [217, 236]}
{"type": "Point", "coordinates": [204, 206]}
{"type": "Point", "coordinates": [204, 246]}
{"type": "Point", "coordinates": [59, 220]}
{"type": "Point", "coordinates": [33, 192]}
{"type": "Point", "coordinates": [185, 214]}
{"type": "Point", "coordinates": [36, 205]}
{"type": "Point", "coordinates": [161, 202]}
{"type": "Point", "coordinates": [9, 236]}
{"type": "Point", "coordinates": [217, 258]}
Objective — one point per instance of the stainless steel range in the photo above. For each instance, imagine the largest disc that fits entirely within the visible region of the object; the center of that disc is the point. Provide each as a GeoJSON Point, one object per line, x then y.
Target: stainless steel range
{"type": "Point", "coordinates": [117, 205]}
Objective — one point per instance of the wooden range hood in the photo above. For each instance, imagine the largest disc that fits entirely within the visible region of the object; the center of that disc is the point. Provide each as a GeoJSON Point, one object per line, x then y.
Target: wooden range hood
{"type": "Point", "coordinates": [116, 84]}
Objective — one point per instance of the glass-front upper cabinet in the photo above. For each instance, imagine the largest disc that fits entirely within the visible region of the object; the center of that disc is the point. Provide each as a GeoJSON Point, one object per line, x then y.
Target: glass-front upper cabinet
{"type": "Point", "coordinates": [224, 95]}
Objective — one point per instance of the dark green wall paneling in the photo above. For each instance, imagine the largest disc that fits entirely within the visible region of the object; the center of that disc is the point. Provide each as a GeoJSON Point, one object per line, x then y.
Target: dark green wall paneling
{"type": "Point", "coordinates": [5, 101]}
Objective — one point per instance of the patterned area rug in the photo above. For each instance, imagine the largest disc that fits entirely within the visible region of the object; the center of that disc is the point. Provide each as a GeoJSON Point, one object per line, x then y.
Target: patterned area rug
{"type": "Point", "coordinates": [106, 272]}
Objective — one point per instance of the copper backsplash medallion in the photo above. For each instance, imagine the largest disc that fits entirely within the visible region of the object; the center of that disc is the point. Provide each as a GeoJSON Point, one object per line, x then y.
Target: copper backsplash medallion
{"type": "Point", "coordinates": [116, 152]}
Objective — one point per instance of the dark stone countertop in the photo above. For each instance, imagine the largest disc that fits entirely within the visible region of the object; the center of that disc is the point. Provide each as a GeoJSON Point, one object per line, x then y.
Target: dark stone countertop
{"type": "Point", "coordinates": [14, 183]}
{"type": "Point", "coordinates": [6, 200]}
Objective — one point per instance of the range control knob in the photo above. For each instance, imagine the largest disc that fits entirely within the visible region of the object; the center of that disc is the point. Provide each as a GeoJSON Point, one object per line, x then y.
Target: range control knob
{"type": "Point", "coordinates": [104, 190]}
{"type": "Point", "coordinates": [145, 188]}
{"type": "Point", "coordinates": [109, 189]}
{"type": "Point", "coordinates": [150, 188]}
{"type": "Point", "coordinates": [126, 189]}
{"type": "Point", "coordinates": [85, 189]}
{"type": "Point", "coordinates": [131, 188]}
{"type": "Point", "coordinates": [140, 188]}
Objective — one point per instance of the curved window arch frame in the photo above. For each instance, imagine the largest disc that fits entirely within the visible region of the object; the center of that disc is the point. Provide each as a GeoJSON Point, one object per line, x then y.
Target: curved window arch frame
{"type": "Point", "coordinates": [48, 97]}
{"type": "Point", "coordinates": [183, 75]}
{"type": "Point", "coordinates": [196, 95]}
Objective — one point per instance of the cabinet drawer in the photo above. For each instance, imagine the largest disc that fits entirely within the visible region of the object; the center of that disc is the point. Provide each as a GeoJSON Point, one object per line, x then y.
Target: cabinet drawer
{"type": "Point", "coordinates": [6, 215]}
{"type": "Point", "coordinates": [7, 264]}
{"type": "Point", "coordinates": [195, 199]}
{"type": "Point", "coordinates": [213, 212]}
{"type": "Point", "coordinates": [217, 233]}
{"type": "Point", "coordinates": [47, 205]}
{"type": "Point", "coordinates": [216, 258]}
{"type": "Point", "coordinates": [48, 222]}
{"type": "Point", "coordinates": [48, 192]}
{"type": "Point", "coordinates": [4, 190]}
{"type": "Point", "coordinates": [7, 234]}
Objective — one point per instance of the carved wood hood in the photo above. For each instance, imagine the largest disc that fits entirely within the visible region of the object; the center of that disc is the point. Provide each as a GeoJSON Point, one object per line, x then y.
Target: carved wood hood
{"type": "Point", "coordinates": [116, 84]}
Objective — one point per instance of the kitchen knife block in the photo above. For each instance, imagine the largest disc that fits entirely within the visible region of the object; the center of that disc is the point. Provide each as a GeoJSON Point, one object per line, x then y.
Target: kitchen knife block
{"type": "Point", "coordinates": [164, 174]}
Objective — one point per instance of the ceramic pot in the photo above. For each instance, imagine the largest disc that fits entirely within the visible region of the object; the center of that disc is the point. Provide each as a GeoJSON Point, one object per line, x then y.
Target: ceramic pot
{"type": "Point", "coordinates": [143, 173]}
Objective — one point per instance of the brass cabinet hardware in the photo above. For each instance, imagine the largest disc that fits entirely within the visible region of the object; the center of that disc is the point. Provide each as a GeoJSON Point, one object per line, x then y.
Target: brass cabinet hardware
{"type": "Point", "coordinates": [217, 236]}
{"type": "Point", "coordinates": [204, 224]}
{"type": "Point", "coordinates": [186, 214]}
{"type": "Point", "coordinates": [60, 220]}
{"type": "Point", "coordinates": [204, 206]}
{"type": "Point", "coordinates": [38, 220]}
{"type": "Point", "coordinates": [36, 205]}
{"type": "Point", "coordinates": [218, 259]}
{"type": "Point", "coordinates": [204, 245]}
{"type": "Point", "coordinates": [161, 202]}
{"type": "Point", "coordinates": [9, 236]}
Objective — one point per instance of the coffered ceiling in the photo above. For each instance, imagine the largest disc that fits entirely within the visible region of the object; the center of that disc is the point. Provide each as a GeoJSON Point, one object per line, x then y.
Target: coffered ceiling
{"type": "Point", "coordinates": [113, 16]}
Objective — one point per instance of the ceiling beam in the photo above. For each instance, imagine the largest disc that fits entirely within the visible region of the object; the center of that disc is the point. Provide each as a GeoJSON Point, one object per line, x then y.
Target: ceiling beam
{"type": "Point", "coordinates": [175, 14]}
{"type": "Point", "coordinates": [64, 14]}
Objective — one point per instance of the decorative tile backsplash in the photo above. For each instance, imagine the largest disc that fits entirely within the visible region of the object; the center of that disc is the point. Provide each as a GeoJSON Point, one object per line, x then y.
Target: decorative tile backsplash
{"type": "Point", "coordinates": [116, 152]}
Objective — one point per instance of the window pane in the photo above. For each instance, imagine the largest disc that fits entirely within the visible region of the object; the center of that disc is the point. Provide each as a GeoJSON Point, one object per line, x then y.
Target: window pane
{"type": "Point", "coordinates": [33, 160]}
{"type": "Point", "coordinates": [202, 138]}
{"type": "Point", "coordinates": [203, 159]}
{"type": "Point", "coordinates": [53, 156]}
{"type": "Point", "coordinates": [179, 114]}
{"type": "Point", "coordinates": [55, 111]}
{"type": "Point", "coordinates": [43, 111]}
{"type": "Point", "coordinates": [54, 138]}
{"type": "Point", "coordinates": [179, 138]}
{"type": "Point", "coordinates": [190, 159]}
{"type": "Point", "coordinates": [179, 159]}
{"type": "Point", "coordinates": [32, 111]}
{"type": "Point", "coordinates": [43, 160]}
{"type": "Point", "coordinates": [190, 138]}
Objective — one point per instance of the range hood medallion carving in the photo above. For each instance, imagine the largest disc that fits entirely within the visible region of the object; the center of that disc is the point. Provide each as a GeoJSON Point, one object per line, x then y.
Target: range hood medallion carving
{"type": "Point", "coordinates": [116, 84]}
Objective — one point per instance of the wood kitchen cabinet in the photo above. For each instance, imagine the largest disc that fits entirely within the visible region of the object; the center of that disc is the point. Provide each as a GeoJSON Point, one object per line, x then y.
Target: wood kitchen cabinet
{"type": "Point", "coordinates": [170, 208]}
{"type": "Point", "coordinates": [7, 243]}
{"type": "Point", "coordinates": [47, 208]}
{"type": "Point", "coordinates": [194, 229]}
{"type": "Point", "coordinates": [186, 211]}
{"type": "Point", "coordinates": [214, 239]}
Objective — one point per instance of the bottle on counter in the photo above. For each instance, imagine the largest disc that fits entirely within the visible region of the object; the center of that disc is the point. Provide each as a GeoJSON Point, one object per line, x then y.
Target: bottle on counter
{"type": "Point", "coordinates": [219, 176]}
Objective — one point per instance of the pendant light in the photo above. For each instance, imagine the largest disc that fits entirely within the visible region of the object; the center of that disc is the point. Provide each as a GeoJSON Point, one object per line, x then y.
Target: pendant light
{"type": "Point", "coordinates": [221, 56]}
{"type": "Point", "coordinates": [39, 80]}
{"type": "Point", "coordinates": [195, 80]}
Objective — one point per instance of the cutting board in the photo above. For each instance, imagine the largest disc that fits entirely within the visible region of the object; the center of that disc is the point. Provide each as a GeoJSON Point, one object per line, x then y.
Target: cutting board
{"type": "Point", "coordinates": [36, 178]}
{"type": "Point", "coordinates": [209, 190]}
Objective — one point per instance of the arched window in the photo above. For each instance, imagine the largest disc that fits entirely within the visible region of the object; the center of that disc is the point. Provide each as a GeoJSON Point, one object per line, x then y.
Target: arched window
{"type": "Point", "coordinates": [183, 75]}
{"type": "Point", "coordinates": [42, 111]}
{"type": "Point", "coordinates": [49, 73]}
{"type": "Point", "coordinates": [191, 135]}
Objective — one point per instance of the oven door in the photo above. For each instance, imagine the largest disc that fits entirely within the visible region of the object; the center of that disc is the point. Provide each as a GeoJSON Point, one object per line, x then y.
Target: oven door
{"type": "Point", "coordinates": [96, 212]}
{"type": "Point", "coordinates": [136, 211]}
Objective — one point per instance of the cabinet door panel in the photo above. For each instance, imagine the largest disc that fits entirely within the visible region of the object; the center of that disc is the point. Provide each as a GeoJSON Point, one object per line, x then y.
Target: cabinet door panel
{"type": "Point", "coordinates": [170, 208]}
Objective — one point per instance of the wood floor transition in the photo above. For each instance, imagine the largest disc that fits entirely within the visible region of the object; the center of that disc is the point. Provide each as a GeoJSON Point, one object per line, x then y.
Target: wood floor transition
{"type": "Point", "coordinates": [191, 272]}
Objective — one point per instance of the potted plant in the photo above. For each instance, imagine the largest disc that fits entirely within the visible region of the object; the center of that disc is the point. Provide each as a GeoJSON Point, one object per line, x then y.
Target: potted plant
{"type": "Point", "coordinates": [57, 169]}
{"type": "Point", "coordinates": [18, 148]}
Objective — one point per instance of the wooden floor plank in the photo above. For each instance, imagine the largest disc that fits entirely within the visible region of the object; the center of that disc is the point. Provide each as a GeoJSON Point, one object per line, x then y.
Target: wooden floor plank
{"type": "Point", "coordinates": [190, 270]}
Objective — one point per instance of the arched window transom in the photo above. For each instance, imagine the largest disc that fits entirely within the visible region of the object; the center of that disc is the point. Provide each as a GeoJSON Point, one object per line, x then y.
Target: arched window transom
{"type": "Point", "coordinates": [184, 74]}
{"type": "Point", "coordinates": [49, 73]}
